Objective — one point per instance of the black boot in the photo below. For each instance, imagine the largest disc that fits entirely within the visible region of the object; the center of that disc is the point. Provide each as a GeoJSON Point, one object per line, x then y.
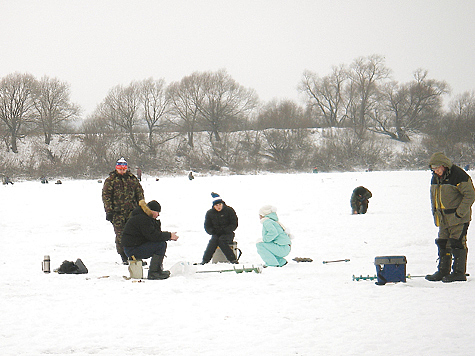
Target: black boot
{"type": "Point", "coordinates": [459, 267]}
{"type": "Point", "coordinates": [445, 259]}
{"type": "Point", "coordinates": [155, 271]}
{"type": "Point", "coordinates": [228, 252]}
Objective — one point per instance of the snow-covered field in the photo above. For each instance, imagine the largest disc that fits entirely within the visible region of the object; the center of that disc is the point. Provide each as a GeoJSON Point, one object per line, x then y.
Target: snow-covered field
{"type": "Point", "coordinates": [300, 309]}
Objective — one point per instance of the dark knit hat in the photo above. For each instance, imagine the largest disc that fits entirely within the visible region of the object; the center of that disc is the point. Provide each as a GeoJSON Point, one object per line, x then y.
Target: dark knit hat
{"type": "Point", "coordinates": [216, 198]}
{"type": "Point", "coordinates": [154, 205]}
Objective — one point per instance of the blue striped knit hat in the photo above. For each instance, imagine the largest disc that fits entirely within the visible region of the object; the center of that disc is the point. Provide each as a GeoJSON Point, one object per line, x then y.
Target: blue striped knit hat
{"type": "Point", "coordinates": [216, 198]}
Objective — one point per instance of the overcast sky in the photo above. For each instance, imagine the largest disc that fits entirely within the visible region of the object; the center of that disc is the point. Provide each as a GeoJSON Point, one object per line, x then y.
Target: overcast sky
{"type": "Point", "coordinates": [266, 45]}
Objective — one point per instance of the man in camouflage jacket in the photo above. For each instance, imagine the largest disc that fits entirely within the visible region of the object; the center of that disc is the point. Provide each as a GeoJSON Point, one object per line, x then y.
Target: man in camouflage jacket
{"type": "Point", "coordinates": [121, 194]}
{"type": "Point", "coordinates": [452, 195]}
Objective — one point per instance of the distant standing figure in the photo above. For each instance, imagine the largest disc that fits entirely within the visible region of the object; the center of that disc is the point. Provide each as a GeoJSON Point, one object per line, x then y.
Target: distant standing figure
{"type": "Point", "coordinates": [359, 200]}
{"type": "Point", "coordinates": [121, 194]}
{"type": "Point", "coordinates": [275, 244]}
{"type": "Point", "coordinates": [452, 195]}
{"type": "Point", "coordinates": [139, 174]}
{"type": "Point", "coordinates": [44, 180]}
{"type": "Point", "coordinates": [190, 176]}
{"type": "Point", "coordinates": [220, 222]}
{"type": "Point", "coordinates": [6, 180]}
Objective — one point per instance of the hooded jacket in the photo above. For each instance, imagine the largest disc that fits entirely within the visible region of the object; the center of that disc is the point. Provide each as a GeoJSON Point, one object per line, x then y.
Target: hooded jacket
{"type": "Point", "coordinates": [272, 231]}
{"type": "Point", "coordinates": [452, 195]}
{"type": "Point", "coordinates": [359, 195]}
{"type": "Point", "coordinates": [142, 227]}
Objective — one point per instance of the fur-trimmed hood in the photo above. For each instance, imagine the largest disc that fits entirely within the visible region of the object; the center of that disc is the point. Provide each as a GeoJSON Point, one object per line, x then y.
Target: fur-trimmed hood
{"type": "Point", "coordinates": [145, 208]}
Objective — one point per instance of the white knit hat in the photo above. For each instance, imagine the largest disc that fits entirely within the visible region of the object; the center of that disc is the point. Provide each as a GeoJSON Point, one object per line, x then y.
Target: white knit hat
{"type": "Point", "coordinates": [267, 209]}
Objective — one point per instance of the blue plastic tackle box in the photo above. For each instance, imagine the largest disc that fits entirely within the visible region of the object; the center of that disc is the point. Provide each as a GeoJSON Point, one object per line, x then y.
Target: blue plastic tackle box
{"type": "Point", "coordinates": [390, 269]}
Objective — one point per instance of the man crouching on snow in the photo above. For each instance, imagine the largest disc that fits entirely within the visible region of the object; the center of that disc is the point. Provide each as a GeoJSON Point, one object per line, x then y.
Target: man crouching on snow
{"type": "Point", "coordinates": [143, 238]}
{"type": "Point", "coordinates": [452, 195]}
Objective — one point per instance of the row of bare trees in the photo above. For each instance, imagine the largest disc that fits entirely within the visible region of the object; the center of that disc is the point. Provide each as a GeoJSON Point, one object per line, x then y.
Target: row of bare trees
{"type": "Point", "coordinates": [30, 105]}
{"type": "Point", "coordinates": [147, 114]}
{"type": "Point", "coordinates": [210, 101]}
{"type": "Point", "coordinates": [363, 96]}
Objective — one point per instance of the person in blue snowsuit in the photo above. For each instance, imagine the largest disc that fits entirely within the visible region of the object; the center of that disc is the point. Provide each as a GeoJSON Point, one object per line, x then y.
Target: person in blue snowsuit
{"type": "Point", "coordinates": [275, 244]}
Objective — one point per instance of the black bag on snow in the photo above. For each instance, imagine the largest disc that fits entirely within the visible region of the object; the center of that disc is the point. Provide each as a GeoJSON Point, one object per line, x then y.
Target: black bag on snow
{"type": "Point", "coordinates": [69, 267]}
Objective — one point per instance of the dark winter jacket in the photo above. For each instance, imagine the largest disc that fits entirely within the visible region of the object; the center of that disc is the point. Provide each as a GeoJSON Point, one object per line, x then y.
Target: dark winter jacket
{"type": "Point", "coordinates": [142, 227]}
{"type": "Point", "coordinates": [121, 194]}
{"type": "Point", "coordinates": [360, 194]}
{"type": "Point", "coordinates": [452, 195]}
{"type": "Point", "coordinates": [222, 222]}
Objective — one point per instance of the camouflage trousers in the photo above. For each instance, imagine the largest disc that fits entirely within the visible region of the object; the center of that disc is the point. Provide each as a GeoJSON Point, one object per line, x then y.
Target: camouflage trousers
{"type": "Point", "coordinates": [119, 223]}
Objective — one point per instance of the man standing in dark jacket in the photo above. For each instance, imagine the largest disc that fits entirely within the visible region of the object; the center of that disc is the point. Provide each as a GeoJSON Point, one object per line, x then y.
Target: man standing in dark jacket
{"type": "Point", "coordinates": [143, 238]}
{"type": "Point", "coordinates": [452, 195]}
{"type": "Point", "coordinates": [220, 222]}
{"type": "Point", "coordinates": [121, 194]}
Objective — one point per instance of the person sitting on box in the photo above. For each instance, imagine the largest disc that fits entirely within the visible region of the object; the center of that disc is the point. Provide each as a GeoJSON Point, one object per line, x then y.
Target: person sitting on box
{"type": "Point", "coordinates": [359, 200]}
{"type": "Point", "coordinates": [220, 222]}
{"type": "Point", "coordinates": [143, 238]}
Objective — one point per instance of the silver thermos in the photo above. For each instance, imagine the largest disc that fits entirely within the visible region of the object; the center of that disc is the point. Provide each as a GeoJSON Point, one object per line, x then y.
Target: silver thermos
{"type": "Point", "coordinates": [46, 264]}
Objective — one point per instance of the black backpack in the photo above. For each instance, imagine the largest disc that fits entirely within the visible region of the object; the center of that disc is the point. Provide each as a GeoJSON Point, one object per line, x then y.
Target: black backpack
{"type": "Point", "coordinates": [69, 267]}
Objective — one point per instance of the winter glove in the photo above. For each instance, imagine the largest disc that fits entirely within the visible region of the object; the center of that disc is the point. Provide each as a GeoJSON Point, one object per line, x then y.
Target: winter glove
{"type": "Point", "coordinates": [109, 216]}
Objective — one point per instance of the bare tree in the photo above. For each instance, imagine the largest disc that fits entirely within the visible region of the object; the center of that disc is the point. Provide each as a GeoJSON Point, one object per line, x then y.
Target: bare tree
{"type": "Point", "coordinates": [98, 140]}
{"type": "Point", "coordinates": [461, 118]}
{"type": "Point", "coordinates": [185, 99]}
{"type": "Point", "coordinates": [325, 95]}
{"type": "Point", "coordinates": [51, 99]}
{"type": "Point", "coordinates": [425, 99]}
{"type": "Point", "coordinates": [407, 108]}
{"type": "Point", "coordinates": [365, 74]}
{"type": "Point", "coordinates": [121, 108]}
{"type": "Point", "coordinates": [155, 107]}
{"type": "Point", "coordinates": [463, 105]}
{"type": "Point", "coordinates": [388, 111]}
{"type": "Point", "coordinates": [16, 104]}
{"type": "Point", "coordinates": [289, 148]}
{"type": "Point", "coordinates": [284, 114]}
{"type": "Point", "coordinates": [224, 102]}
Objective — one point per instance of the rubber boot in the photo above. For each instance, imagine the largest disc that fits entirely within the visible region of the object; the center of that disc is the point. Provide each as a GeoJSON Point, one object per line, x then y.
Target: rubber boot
{"type": "Point", "coordinates": [155, 271]}
{"type": "Point", "coordinates": [445, 259]}
{"type": "Point", "coordinates": [459, 267]}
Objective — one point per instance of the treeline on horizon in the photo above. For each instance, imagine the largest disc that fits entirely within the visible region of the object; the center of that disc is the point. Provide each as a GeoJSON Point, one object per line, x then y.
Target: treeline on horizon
{"type": "Point", "coordinates": [156, 125]}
